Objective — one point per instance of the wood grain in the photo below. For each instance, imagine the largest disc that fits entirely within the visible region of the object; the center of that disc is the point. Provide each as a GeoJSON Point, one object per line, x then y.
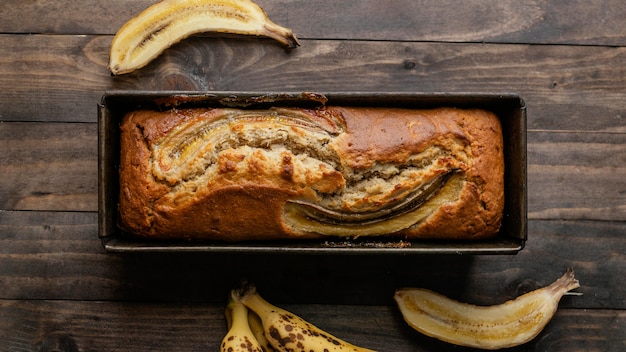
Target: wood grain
{"type": "Point", "coordinates": [565, 88]}
{"type": "Point", "coordinates": [510, 21]}
{"type": "Point", "coordinates": [570, 175]}
{"type": "Point", "coordinates": [119, 326]}
{"type": "Point", "coordinates": [577, 176]}
{"type": "Point", "coordinates": [49, 166]}
{"type": "Point", "coordinates": [57, 255]}
{"type": "Point", "coordinates": [59, 290]}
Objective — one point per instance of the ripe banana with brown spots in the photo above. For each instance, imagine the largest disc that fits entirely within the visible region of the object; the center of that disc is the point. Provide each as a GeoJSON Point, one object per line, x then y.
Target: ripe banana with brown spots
{"type": "Point", "coordinates": [488, 327]}
{"type": "Point", "coordinates": [239, 337]}
{"type": "Point", "coordinates": [256, 325]}
{"type": "Point", "coordinates": [288, 332]}
{"type": "Point", "coordinates": [147, 35]}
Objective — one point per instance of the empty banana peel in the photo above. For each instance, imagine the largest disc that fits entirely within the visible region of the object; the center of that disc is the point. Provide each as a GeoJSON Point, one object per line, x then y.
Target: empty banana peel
{"type": "Point", "coordinates": [492, 327]}
{"type": "Point", "coordinates": [166, 23]}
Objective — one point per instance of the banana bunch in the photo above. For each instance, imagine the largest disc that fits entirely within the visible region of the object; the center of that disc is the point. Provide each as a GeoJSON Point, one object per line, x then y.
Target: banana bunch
{"type": "Point", "coordinates": [269, 328]}
{"type": "Point", "coordinates": [147, 35]}
{"type": "Point", "coordinates": [239, 336]}
{"type": "Point", "coordinates": [256, 325]}
{"type": "Point", "coordinates": [492, 327]}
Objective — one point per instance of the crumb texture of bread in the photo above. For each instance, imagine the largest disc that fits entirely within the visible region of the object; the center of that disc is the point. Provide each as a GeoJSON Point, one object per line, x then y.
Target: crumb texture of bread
{"type": "Point", "coordinates": [287, 173]}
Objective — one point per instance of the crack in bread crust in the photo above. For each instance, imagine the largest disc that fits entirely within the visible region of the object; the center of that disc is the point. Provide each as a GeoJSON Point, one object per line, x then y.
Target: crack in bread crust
{"type": "Point", "coordinates": [243, 142]}
{"type": "Point", "coordinates": [193, 147]}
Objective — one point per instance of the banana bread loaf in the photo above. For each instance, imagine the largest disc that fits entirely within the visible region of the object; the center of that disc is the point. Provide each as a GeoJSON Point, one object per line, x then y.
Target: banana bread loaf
{"type": "Point", "coordinates": [287, 173]}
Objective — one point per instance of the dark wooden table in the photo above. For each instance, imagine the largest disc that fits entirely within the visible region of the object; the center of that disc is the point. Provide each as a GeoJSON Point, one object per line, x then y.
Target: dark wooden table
{"type": "Point", "coordinates": [60, 291]}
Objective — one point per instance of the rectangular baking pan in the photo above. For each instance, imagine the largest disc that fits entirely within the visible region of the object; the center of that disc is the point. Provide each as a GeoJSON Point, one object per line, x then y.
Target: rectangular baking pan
{"type": "Point", "coordinates": [510, 109]}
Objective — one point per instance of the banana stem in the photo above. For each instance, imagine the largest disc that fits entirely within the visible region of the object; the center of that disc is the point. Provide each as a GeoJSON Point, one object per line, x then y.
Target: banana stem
{"type": "Point", "coordinates": [282, 35]}
{"type": "Point", "coordinates": [257, 303]}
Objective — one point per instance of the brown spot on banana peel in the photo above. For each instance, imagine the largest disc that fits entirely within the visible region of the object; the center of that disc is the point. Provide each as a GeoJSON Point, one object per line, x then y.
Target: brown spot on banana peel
{"type": "Point", "coordinates": [239, 336]}
{"type": "Point", "coordinates": [287, 331]}
{"type": "Point", "coordinates": [275, 334]}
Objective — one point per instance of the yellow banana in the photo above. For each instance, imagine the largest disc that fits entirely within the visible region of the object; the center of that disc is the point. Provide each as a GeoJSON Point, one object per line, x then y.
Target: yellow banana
{"type": "Point", "coordinates": [256, 325]}
{"type": "Point", "coordinates": [147, 35]}
{"type": "Point", "coordinates": [488, 327]}
{"type": "Point", "coordinates": [288, 332]}
{"type": "Point", "coordinates": [239, 336]}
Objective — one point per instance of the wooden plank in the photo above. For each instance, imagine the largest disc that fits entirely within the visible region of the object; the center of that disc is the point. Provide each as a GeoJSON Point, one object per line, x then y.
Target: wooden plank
{"type": "Point", "coordinates": [111, 326]}
{"type": "Point", "coordinates": [53, 80]}
{"type": "Point", "coordinates": [57, 255]}
{"type": "Point", "coordinates": [577, 176]}
{"type": "Point", "coordinates": [103, 326]}
{"type": "Point", "coordinates": [49, 166]}
{"type": "Point", "coordinates": [566, 88]}
{"type": "Point", "coordinates": [566, 58]}
{"type": "Point", "coordinates": [540, 22]}
{"type": "Point", "coordinates": [570, 175]}
{"type": "Point", "coordinates": [47, 255]}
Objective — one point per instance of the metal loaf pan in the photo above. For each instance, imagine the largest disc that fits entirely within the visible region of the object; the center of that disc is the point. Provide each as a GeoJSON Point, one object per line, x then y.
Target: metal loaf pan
{"type": "Point", "coordinates": [510, 109]}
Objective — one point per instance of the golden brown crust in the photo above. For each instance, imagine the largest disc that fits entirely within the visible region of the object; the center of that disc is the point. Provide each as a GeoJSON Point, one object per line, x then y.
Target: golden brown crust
{"type": "Point", "coordinates": [234, 175]}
